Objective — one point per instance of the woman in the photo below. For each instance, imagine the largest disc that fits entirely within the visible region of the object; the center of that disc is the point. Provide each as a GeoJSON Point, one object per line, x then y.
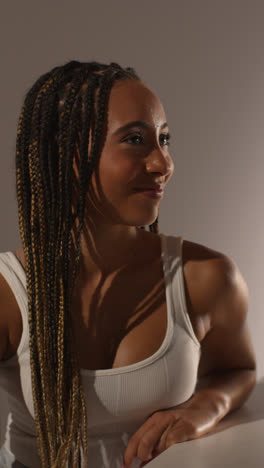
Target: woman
{"type": "Point", "coordinates": [116, 341]}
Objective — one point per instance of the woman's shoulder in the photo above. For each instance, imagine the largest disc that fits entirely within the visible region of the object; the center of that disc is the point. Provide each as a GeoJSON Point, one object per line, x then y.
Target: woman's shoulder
{"type": "Point", "coordinates": [202, 257]}
{"type": "Point", "coordinates": [4, 330]}
{"type": "Point", "coordinates": [19, 253]}
{"type": "Point", "coordinates": [207, 274]}
{"type": "Point", "coordinates": [10, 320]}
{"type": "Point", "coordinates": [204, 262]}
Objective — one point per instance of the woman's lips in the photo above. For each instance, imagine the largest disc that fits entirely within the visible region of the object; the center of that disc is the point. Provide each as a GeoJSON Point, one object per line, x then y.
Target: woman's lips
{"type": "Point", "coordinates": [158, 193]}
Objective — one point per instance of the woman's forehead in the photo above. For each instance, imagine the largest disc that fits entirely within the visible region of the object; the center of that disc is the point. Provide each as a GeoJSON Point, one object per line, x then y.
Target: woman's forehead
{"type": "Point", "coordinates": [132, 100]}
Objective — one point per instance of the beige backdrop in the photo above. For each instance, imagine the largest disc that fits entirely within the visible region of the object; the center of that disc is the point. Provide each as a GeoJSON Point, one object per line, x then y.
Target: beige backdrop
{"type": "Point", "coordinates": [205, 60]}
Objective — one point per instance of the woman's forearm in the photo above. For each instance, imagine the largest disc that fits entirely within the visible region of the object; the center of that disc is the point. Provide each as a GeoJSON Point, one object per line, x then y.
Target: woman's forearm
{"type": "Point", "coordinates": [222, 392]}
{"type": "Point", "coordinates": [214, 397]}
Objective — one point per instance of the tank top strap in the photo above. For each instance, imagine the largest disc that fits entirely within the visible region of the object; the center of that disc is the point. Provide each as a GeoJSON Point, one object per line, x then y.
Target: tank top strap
{"type": "Point", "coordinates": [173, 255]}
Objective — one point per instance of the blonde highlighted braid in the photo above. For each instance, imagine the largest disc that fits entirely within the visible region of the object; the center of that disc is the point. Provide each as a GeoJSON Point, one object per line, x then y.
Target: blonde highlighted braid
{"type": "Point", "coordinates": [55, 120]}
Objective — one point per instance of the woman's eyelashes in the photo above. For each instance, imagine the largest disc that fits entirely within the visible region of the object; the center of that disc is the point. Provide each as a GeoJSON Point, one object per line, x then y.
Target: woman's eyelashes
{"type": "Point", "coordinates": [138, 139]}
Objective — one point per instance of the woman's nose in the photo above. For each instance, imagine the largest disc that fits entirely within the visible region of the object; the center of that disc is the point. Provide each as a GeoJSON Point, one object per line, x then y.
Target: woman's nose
{"type": "Point", "coordinates": [160, 161]}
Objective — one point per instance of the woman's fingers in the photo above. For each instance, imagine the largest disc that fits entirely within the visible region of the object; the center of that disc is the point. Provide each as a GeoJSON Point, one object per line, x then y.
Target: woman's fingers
{"type": "Point", "coordinates": [160, 431]}
{"type": "Point", "coordinates": [161, 445]}
{"type": "Point", "coordinates": [149, 441]}
{"type": "Point", "coordinates": [144, 441]}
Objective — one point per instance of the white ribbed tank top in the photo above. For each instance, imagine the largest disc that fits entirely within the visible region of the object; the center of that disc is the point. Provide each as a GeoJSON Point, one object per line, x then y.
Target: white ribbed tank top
{"type": "Point", "coordinates": [118, 400]}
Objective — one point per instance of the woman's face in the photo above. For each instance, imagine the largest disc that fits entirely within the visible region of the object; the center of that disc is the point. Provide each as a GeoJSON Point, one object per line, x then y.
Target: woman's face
{"type": "Point", "coordinates": [135, 154]}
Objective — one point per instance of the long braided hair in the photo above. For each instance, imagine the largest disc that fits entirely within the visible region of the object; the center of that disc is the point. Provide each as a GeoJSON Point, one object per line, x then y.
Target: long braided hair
{"type": "Point", "coordinates": [54, 122]}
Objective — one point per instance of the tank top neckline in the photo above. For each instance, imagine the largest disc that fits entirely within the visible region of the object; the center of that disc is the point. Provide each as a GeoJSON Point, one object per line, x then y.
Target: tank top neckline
{"type": "Point", "coordinates": [166, 341]}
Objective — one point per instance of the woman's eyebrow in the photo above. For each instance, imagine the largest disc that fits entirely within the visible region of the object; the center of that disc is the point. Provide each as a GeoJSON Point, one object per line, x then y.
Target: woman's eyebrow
{"type": "Point", "coordinates": [136, 123]}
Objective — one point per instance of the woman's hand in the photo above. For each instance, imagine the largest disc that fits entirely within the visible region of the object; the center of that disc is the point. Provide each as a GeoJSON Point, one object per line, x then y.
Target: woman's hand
{"type": "Point", "coordinates": [165, 428]}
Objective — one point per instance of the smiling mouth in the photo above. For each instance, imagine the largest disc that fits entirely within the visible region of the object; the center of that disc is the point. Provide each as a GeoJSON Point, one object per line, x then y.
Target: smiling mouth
{"type": "Point", "coordinates": [158, 193]}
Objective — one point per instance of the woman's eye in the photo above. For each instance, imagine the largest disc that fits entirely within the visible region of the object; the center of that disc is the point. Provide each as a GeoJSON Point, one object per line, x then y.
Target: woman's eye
{"type": "Point", "coordinates": [134, 139]}
{"type": "Point", "coordinates": [165, 139]}
{"type": "Point", "coordinates": [138, 139]}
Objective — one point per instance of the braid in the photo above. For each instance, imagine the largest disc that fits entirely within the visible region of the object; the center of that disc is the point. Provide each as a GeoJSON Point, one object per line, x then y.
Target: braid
{"type": "Point", "coordinates": [54, 122]}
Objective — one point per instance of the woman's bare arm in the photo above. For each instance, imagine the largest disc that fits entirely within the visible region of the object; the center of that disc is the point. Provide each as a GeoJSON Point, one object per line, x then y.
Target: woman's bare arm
{"type": "Point", "coordinates": [226, 372]}
{"type": "Point", "coordinates": [227, 361]}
